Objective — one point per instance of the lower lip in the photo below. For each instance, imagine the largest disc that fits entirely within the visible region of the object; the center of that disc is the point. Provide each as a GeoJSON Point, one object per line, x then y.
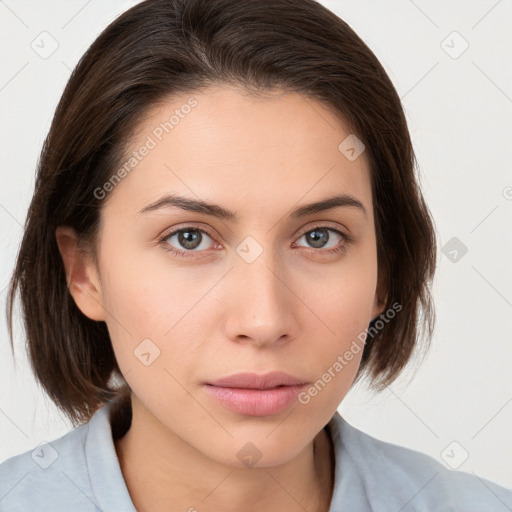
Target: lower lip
{"type": "Point", "coordinates": [255, 402]}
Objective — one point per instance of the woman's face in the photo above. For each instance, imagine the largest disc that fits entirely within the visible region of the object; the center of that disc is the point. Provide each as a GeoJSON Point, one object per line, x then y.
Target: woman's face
{"type": "Point", "coordinates": [261, 291]}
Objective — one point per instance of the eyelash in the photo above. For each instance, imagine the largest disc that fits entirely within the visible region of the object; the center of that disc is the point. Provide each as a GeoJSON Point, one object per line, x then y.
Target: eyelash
{"type": "Point", "coordinates": [189, 254]}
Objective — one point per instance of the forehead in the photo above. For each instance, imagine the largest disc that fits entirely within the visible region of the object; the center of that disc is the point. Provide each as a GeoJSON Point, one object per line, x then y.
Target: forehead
{"type": "Point", "coordinates": [233, 148]}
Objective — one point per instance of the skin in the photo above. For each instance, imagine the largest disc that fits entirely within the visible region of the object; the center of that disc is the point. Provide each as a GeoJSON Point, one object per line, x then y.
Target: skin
{"type": "Point", "coordinates": [295, 308]}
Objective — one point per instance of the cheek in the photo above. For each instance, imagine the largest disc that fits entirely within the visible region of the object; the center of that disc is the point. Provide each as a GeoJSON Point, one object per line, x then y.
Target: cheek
{"type": "Point", "coordinates": [158, 316]}
{"type": "Point", "coordinates": [343, 294]}
{"type": "Point", "coordinates": [142, 309]}
{"type": "Point", "coordinates": [335, 354]}
{"type": "Point", "coordinates": [343, 302]}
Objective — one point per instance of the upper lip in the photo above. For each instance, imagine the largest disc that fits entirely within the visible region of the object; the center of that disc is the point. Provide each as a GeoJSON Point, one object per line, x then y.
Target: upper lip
{"type": "Point", "coordinates": [256, 381]}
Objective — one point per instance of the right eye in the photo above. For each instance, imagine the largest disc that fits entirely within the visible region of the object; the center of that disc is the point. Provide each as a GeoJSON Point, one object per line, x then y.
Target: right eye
{"type": "Point", "coordinates": [189, 240]}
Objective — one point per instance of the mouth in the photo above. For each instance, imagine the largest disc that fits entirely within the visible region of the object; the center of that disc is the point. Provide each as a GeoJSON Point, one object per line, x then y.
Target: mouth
{"type": "Point", "coordinates": [256, 395]}
{"type": "Point", "coordinates": [255, 381]}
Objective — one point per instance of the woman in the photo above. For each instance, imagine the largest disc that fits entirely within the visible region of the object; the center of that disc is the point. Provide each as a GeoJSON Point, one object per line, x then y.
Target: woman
{"type": "Point", "coordinates": [226, 233]}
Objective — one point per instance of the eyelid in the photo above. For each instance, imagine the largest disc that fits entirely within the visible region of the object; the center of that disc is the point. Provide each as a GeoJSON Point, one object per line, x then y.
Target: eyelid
{"type": "Point", "coordinates": [326, 225]}
{"type": "Point", "coordinates": [183, 227]}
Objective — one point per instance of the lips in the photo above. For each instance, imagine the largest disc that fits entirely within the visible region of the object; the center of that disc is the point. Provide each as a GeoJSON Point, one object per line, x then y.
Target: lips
{"type": "Point", "coordinates": [256, 395]}
{"type": "Point", "coordinates": [254, 381]}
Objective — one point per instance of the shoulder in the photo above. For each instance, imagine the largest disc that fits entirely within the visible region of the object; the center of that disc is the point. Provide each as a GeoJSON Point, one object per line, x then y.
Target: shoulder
{"type": "Point", "coordinates": [77, 472]}
{"type": "Point", "coordinates": [37, 478]}
{"type": "Point", "coordinates": [392, 475]}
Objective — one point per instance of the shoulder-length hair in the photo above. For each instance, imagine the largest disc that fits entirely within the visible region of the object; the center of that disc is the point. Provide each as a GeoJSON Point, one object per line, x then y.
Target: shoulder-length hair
{"type": "Point", "coordinates": [160, 48]}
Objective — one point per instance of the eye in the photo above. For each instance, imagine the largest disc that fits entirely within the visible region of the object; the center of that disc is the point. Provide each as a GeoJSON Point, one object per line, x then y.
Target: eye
{"type": "Point", "coordinates": [188, 239]}
{"type": "Point", "coordinates": [320, 236]}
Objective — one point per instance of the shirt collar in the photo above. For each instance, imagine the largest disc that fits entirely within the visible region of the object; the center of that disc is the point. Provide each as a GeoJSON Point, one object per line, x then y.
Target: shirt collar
{"type": "Point", "coordinates": [105, 473]}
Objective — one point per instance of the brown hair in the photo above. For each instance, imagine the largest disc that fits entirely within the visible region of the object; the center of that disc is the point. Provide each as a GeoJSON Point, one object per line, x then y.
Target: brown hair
{"type": "Point", "coordinates": [163, 47]}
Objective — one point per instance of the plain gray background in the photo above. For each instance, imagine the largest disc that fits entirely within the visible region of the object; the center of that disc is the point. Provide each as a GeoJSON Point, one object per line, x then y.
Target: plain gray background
{"type": "Point", "coordinates": [457, 406]}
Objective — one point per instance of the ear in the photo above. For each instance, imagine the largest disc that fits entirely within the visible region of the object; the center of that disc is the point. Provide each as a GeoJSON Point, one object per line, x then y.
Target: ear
{"type": "Point", "coordinates": [379, 305]}
{"type": "Point", "coordinates": [81, 274]}
{"type": "Point", "coordinates": [381, 298]}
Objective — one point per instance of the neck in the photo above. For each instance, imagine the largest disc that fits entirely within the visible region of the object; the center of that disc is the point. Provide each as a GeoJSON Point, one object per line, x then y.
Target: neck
{"type": "Point", "coordinates": [190, 481]}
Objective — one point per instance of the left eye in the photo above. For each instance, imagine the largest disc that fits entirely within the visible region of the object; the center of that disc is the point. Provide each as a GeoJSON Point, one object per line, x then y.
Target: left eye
{"type": "Point", "coordinates": [319, 236]}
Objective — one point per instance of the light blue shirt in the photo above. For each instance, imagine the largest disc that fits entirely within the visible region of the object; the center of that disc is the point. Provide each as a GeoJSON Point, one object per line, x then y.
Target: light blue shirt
{"type": "Point", "coordinates": [80, 472]}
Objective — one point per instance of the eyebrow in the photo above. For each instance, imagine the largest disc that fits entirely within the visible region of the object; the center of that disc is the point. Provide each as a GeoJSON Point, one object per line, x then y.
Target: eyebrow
{"type": "Point", "coordinates": [185, 203]}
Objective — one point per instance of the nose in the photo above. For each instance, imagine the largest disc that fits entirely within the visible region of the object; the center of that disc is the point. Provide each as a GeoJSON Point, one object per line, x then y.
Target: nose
{"type": "Point", "coordinates": [262, 307]}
